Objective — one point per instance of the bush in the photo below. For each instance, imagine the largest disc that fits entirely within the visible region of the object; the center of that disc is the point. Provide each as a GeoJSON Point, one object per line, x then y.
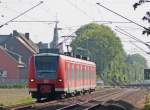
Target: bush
{"type": "Point", "coordinates": [16, 85]}
{"type": "Point", "coordinates": [147, 106]}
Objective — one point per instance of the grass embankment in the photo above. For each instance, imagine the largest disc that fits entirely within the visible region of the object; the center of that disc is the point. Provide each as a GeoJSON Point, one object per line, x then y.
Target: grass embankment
{"type": "Point", "coordinates": [11, 96]}
{"type": "Point", "coordinates": [147, 105]}
{"type": "Point", "coordinates": [15, 85]}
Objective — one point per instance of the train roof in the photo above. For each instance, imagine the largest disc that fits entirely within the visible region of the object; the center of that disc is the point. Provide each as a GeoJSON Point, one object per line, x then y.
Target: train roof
{"type": "Point", "coordinates": [69, 58]}
{"type": "Point", "coordinates": [73, 59]}
{"type": "Point", "coordinates": [47, 54]}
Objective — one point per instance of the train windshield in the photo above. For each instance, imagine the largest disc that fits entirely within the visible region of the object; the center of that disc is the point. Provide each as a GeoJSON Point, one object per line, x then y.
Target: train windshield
{"type": "Point", "coordinates": [46, 67]}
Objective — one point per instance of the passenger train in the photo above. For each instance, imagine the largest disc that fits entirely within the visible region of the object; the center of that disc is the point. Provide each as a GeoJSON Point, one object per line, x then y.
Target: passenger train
{"type": "Point", "coordinates": [53, 74]}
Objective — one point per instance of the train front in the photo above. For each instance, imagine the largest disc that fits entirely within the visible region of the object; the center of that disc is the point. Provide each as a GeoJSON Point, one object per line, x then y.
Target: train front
{"type": "Point", "coordinates": [43, 75]}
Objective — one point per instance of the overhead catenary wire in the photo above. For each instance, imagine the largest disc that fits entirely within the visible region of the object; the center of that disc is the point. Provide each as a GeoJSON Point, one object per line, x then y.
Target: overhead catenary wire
{"type": "Point", "coordinates": [112, 22]}
{"type": "Point", "coordinates": [140, 48]}
{"type": "Point", "coordinates": [129, 28]}
{"type": "Point", "coordinates": [136, 40]}
{"type": "Point", "coordinates": [16, 11]}
{"type": "Point", "coordinates": [129, 35]}
{"type": "Point", "coordinates": [21, 14]}
{"type": "Point", "coordinates": [123, 16]}
{"type": "Point", "coordinates": [71, 36]}
{"type": "Point", "coordinates": [81, 10]}
{"type": "Point", "coordinates": [133, 37]}
{"type": "Point", "coordinates": [32, 21]}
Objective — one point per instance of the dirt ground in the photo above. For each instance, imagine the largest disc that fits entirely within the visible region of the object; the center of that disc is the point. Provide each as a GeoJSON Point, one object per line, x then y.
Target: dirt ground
{"type": "Point", "coordinates": [14, 96]}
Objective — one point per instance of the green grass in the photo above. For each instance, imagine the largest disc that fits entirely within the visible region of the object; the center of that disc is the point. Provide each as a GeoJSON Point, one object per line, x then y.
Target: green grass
{"type": "Point", "coordinates": [11, 96]}
{"type": "Point", "coordinates": [16, 85]}
{"type": "Point", "coordinates": [24, 100]}
{"type": "Point", "coordinates": [147, 105]}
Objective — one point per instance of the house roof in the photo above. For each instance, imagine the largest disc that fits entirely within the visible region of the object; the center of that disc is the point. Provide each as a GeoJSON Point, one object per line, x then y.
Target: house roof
{"type": "Point", "coordinates": [4, 38]}
{"type": "Point", "coordinates": [26, 42]}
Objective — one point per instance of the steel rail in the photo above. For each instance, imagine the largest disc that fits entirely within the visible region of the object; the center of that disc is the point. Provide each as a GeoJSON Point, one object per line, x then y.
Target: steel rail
{"type": "Point", "coordinates": [84, 105]}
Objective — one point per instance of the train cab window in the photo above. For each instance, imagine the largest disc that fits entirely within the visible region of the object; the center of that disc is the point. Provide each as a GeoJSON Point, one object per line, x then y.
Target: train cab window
{"type": "Point", "coordinates": [46, 67]}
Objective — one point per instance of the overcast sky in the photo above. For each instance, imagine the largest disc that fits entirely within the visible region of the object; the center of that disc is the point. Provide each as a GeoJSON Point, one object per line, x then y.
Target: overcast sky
{"type": "Point", "coordinates": [73, 14]}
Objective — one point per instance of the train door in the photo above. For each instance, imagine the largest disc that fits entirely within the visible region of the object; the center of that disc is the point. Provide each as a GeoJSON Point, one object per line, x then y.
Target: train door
{"type": "Point", "coordinates": [68, 78]}
{"type": "Point", "coordinates": [94, 76]}
{"type": "Point", "coordinates": [90, 77]}
{"type": "Point", "coordinates": [83, 77]}
{"type": "Point", "coordinates": [87, 77]}
{"type": "Point", "coordinates": [77, 77]}
{"type": "Point", "coordinates": [80, 77]}
{"type": "Point", "coordinates": [73, 77]}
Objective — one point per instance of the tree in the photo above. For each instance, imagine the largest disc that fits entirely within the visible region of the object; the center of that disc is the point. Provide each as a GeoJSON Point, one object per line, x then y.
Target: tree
{"type": "Point", "coordinates": [113, 65]}
{"type": "Point", "coordinates": [147, 15]}
{"type": "Point", "coordinates": [135, 67]}
{"type": "Point", "coordinates": [102, 43]}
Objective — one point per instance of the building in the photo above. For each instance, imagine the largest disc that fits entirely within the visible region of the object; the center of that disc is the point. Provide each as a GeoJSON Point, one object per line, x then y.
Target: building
{"type": "Point", "coordinates": [11, 66]}
{"type": "Point", "coordinates": [21, 45]}
{"type": "Point", "coordinates": [42, 45]}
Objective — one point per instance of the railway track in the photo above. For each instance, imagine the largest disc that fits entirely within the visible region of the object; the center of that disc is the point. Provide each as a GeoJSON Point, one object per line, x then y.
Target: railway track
{"type": "Point", "coordinates": [45, 104]}
{"type": "Point", "coordinates": [93, 103]}
{"type": "Point", "coordinates": [85, 102]}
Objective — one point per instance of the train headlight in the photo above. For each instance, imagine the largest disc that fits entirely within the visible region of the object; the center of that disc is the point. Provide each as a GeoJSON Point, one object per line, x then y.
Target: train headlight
{"type": "Point", "coordinates": [60, 80]}
{"type": "Point", "coordinates": [32, 80]}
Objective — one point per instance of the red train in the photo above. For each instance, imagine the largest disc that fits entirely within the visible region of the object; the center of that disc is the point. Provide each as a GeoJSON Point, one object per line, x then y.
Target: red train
{"type": "Point", "coordinates": [54, 74]}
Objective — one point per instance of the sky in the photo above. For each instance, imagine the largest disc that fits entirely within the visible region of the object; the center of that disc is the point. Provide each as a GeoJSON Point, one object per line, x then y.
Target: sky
{"type": "Point", "coordinates": [72, 14]}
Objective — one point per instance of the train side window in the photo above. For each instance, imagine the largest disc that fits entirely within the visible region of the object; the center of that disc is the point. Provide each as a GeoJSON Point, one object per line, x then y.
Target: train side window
{"type": "Point", "coordinates": [80, 72]}
{"type": "Point", "coordinates": [87, 72]}
{"type": "Point", "coordinates": [87, 69]}
{"type": "Point", "coordinates": [73, 75]}
{"type": "Point", "coordinates": [77, 72]}
{"type": "Point", "coordinates": [68, 72]}
{"type": "Point", "coordinates": [82, 76]}
{"type": "Point", "coordinates": [91, 74]}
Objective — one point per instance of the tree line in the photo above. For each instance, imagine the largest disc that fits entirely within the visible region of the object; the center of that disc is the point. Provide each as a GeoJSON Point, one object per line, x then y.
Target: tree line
{"type": "Point", "coordinates": [113, 64]}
